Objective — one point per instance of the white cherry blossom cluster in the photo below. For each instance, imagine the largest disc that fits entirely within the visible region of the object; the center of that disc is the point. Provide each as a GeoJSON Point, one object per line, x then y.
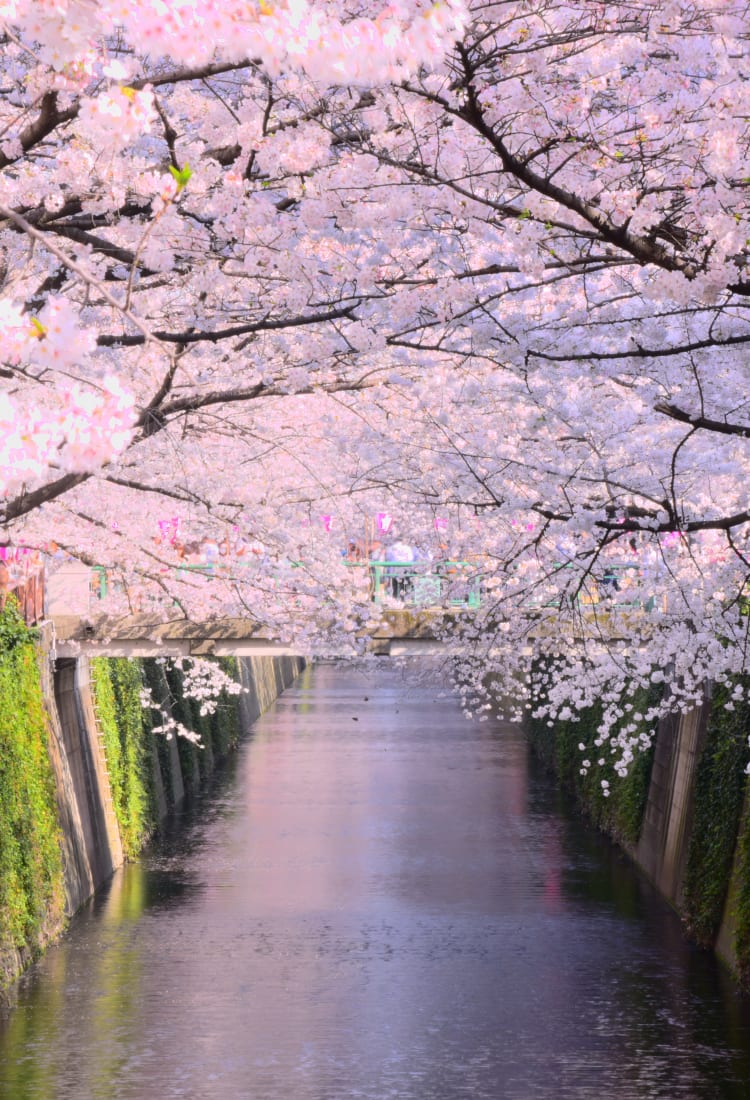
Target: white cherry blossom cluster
{"type": "Point", "coordinates": [69, 425]}
{"type": "Point", "coordinates": [82, 431]}
{"type": "Point", "coordinates": [202, 680]}
{"type": "Point", "coordinates": [114, 119]}
{"type": "Point", "coordinates": [206, 682]}
{"type": "Point", "coordinates": [393, 41]}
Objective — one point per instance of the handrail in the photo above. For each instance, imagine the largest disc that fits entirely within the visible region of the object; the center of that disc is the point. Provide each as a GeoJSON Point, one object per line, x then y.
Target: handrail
{"type": "Point", "coordinates": [419, 584]}
{"type": "Point", "coordinates": [607, 578]}
{"type": "Point", "coordinates": [425, 583]}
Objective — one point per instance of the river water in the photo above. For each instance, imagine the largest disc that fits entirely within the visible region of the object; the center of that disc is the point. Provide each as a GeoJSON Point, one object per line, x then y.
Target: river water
{"type": "Point", "coordinates": [378, 900]}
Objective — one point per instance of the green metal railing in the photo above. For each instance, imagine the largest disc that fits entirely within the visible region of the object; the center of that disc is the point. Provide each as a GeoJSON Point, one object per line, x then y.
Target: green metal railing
{"type": "Point", "coordinates": [425, 584]}
{"type": "Point", "coordinates": [443, 583]}
{"type": "Point", "coordinates": [610, 585]}
{"type": "Point", "coordinates": [416, 584]}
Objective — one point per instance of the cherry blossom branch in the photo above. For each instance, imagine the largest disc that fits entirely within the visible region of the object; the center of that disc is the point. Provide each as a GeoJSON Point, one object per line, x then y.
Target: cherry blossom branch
{"type": "Point", "coordinates": [638, 352]}
{"type": "Point", "coordinates": [73, 265]}
{"type": "Point", "coordinates": [109, 340]}
{"type": "Point", "coordinates": [722, 427]}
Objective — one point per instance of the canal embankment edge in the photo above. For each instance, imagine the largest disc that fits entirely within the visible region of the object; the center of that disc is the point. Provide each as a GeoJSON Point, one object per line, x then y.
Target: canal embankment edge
{"type": "Point", "coordinates": [682, 814]}
{"type": "Point", "coordinates": [88, 782]}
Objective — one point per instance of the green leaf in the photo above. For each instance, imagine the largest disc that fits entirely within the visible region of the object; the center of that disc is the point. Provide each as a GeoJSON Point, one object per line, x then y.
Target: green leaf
{"type": "Point", "coordinates": [181, 175]}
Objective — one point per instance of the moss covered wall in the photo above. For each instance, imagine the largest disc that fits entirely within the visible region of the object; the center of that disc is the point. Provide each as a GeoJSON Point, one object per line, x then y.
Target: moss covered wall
{"type": "Point", "coordinates": [32, 895]}
{"type": "Point", "coordinates": [125, 729]}
{"type": "Point", "coordinates": [715, 898]}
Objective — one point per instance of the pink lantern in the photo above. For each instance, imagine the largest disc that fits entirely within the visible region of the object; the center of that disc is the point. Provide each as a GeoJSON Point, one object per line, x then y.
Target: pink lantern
{"type": "Point", "coordinates": [385, 522]}
{"type": "Point", "coordinates": [441, 524]}
{"type": "Point", "coordinates": [327, 522]}
{"type": "Point", "coordinates": [169, 528]}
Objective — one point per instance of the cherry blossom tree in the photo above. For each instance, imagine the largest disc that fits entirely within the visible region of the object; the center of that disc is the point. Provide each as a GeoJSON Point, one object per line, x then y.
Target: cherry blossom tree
{"type": "Point", "coordinates": [264, 266]}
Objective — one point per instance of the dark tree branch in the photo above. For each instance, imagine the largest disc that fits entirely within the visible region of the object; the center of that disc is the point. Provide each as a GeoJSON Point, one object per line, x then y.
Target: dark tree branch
{"type": "Point", "coordinates": [638, 352]}
{"type": "Point", "coordinates": [48, 119]}
{"type": "Point", "coordinates": [109, 340]}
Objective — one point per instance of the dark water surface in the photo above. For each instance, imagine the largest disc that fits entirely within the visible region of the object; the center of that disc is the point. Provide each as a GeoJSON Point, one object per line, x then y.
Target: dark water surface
{"type": "Point", "coordinates": [381, 900]}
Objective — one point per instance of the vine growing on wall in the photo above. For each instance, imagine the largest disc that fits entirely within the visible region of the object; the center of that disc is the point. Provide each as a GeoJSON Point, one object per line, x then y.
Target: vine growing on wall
{"type": "Point", "coordinates": [719, 794]}
{"type": "Point", "coordinates": [615, 804]}
{"type": "Point", "coordinates": [125, 727]}
{"type": "Point", "coordinates": [741, 907]}
{"type": "Point", "coordinates": [31, 874]}
{"type": "Point", "coordinates": [124, 690]}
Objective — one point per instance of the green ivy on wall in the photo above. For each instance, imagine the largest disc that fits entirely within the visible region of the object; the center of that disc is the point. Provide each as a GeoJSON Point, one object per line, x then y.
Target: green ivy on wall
{"type": "Point", "coordinates": [196, 763]}
{"type": "Point", "coordinates": [225, 724]}
{"type": "Point", "coordinates": [32, 895]}
{"type": "Point", "coordinates": [621, 814]}
{"type": "Point", "coordinates": [719, 795]}
{"type": "Point", "coordinates": [155, 680]}
{"type": "Point", "coordinates": [126, 729]}
{"type": "Point", "coordinates": [742, 896]}
{"type": "Point", "coordinates": [219, 731]}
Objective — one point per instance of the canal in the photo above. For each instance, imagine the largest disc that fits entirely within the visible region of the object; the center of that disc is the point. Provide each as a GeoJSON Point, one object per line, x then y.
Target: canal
{"type": "Point", "coordinates": [378, 899]}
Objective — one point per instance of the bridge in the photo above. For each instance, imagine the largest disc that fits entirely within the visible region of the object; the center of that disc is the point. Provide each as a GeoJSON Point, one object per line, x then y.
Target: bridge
{"type": "Point", "coordinates": [426, 595]}
{"type": "Point", "coordinates": [414, 599]}
{"type": "Point", "coordinates": [400, 632]}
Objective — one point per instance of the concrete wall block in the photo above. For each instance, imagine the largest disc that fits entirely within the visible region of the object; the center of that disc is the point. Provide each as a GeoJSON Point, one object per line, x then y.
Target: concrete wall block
{"type": "Point", "coordinates": [97, 843]}
{"type": "Point", "coordinates": [77, 870]}
{"type": "Point", "coordinates": [692, 735]}
{"type": "Point", "coordinates": [98, 772]}
{"type": "Point", "coordinates": [650, 849]}
{"type": "Point", "coordinates": [665, 837]}
{"type": "Point", "coordinates": [264, 679]}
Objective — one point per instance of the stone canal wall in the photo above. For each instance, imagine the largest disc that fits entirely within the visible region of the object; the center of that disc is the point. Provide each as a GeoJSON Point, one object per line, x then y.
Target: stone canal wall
{"type": "Point", "coordinates": [681, 814]}
{"type": "Point", "coordinates": [85, 781]}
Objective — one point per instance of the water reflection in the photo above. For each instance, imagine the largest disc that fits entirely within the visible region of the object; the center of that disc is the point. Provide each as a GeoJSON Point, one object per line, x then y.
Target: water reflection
{"type": "Point", "coordinates": [380, 900]}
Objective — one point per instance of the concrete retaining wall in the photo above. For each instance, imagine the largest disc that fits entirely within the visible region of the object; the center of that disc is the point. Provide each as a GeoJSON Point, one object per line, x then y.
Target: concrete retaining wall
{"type": "Point", "coordinates": [90, 837]}
{"type": "Point", "coordinates": [264, 679]}
{"type": "Point", "coordinates": [665, 837]}
{"type": "Point", "coordinates": [663, 847]}
{"type": "Point", "coordinates": [689, 830]}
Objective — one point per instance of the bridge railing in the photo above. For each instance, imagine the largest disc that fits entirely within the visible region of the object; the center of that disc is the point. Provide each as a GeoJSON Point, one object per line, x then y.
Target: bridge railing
{"type": "Point", "coordinates": [74, 588]}
{"type": "Point", "coordinates": [415, 584]}
{"type": "Point", "coordinates": [426, 583]}
{"type": "Point", "coordinates": [618, 584]}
